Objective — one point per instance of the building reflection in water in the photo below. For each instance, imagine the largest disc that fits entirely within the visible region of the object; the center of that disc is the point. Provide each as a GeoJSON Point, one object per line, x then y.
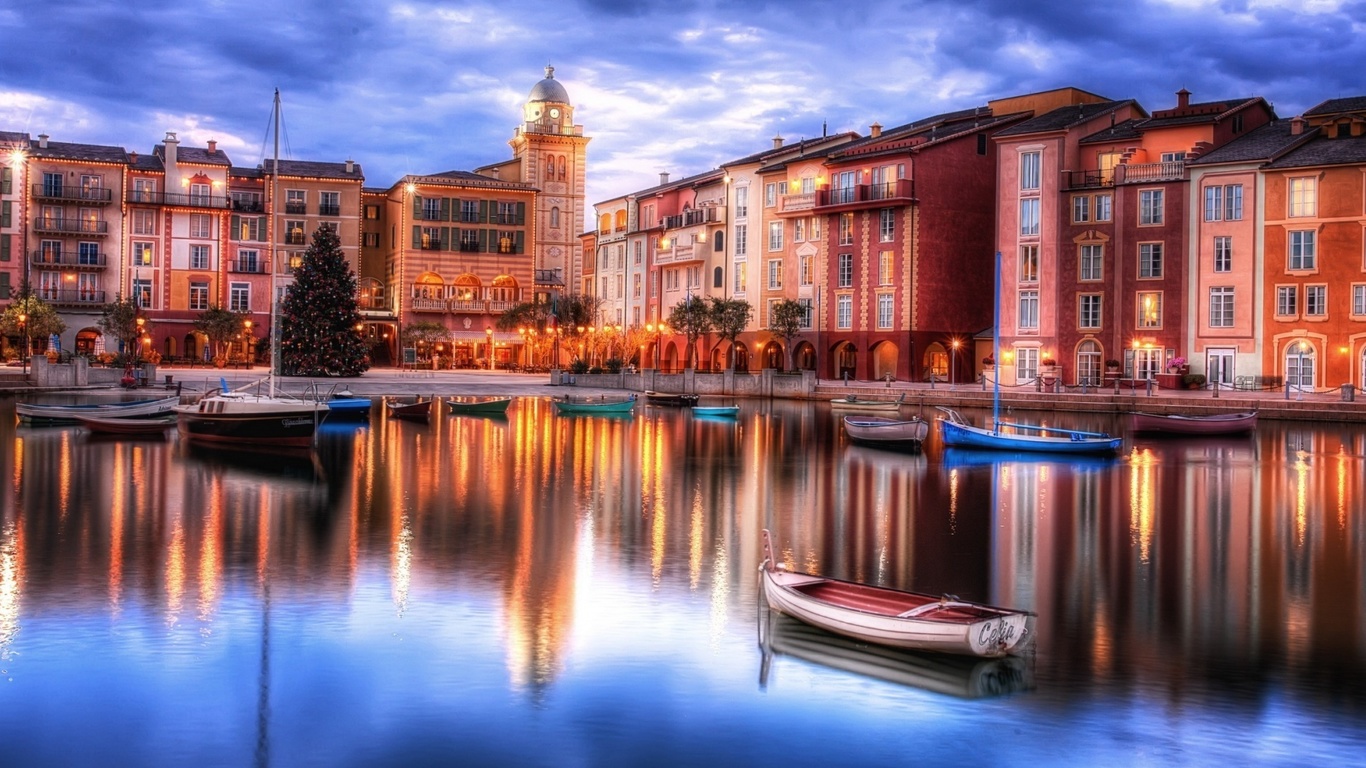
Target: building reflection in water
{"type": "Point", "coordinates": [1178, 561]}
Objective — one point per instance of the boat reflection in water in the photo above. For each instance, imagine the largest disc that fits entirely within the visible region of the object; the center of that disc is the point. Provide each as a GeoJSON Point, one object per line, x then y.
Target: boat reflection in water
{"type": "Point", "coordinates": [964, 677]}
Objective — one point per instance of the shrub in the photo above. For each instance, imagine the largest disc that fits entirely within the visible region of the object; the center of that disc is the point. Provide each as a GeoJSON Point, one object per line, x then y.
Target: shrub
{"type": "Point", "coordinates": [578, 366]}
{"type": "Point", "coordinates": [1112, 363]}
{"type": "Point", "coordinates": [613, 364]}
{"type": "Point", "coordinates": [1194, 380]}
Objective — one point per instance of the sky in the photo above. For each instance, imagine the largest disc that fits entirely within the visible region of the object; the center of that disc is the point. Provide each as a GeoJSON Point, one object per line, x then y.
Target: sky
{"type": "Point", "coordinates": [677, 86]}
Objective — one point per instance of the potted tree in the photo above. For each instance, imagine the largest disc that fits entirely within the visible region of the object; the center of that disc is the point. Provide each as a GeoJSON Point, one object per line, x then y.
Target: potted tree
{"type": "Point", "coordinates": [1111, 371]}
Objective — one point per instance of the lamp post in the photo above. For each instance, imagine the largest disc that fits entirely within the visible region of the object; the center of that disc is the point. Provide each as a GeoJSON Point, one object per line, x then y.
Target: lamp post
{"type": "Point", "coordinates": [141, 323]}
{"type": "Point", "coordinates": [1299, 373]}
{"type": "Point", "coordinates": [23, 331]}
{"type": "Point", "coordinates": [953, 364]}
{"type": "Point", "coordinates": [251, 342]}
{"type": "Point", "coordinates": [488, 333]}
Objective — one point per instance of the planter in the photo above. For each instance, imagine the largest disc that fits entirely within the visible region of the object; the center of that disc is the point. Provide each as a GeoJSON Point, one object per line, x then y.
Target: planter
{"type": "Point", "coordinates": [1171, 381]}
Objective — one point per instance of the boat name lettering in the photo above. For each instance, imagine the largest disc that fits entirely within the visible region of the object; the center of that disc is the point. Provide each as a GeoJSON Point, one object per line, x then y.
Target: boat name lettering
{"type": "Point", "coordinates": [996, 632]}
{"type": "Point", "coordinates": [295, 422]}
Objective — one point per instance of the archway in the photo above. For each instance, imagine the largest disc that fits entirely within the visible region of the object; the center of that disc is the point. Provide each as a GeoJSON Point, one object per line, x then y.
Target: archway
{"type": "Point", "coordinates": [669, 361]}
{"type": "Point", "coordinates": [87, 341]}
{"type": "Point", "coordinates": [936, 362]}
{"type": "Point", "coordinates": [773, 355]}
{"type": "Point", "coordinates": [844, 360]}
{"type": "Point", "coordinates": [885, 356]}
{"type": "Point", "coordinates": [804, 357]}
{"type": "Point", "coordinates": [1088, 363]}
{"type": "Point", "coordinates": [741, 357]}
{"type": "Point", "coordinates": [169, 347]}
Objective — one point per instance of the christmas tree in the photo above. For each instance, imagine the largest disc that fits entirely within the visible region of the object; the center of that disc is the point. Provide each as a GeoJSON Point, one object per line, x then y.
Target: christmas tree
{"type": "Point", "coordinates": [319, 321]}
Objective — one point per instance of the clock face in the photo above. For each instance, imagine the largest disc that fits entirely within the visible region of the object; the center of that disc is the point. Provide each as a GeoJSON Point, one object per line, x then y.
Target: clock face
{"type": "Point", "coordinates": [554, 112]}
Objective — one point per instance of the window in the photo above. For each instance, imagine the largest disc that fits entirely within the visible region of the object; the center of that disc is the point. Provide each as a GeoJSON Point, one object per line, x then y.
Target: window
{"type": "Point", "coordinates": [1150, 260]}
{"type": "Point", "coordinates": [1029, 310]}
{"type": "Point", "coordinates": [6, 212]}
{"type": "Point", "coordinates": [775, 235]}
{"type": "Point", "coordinates": [251, 228]}
{"type": "Point", "coordinates": [144, 222]}
{"type": "Point", "coordinates": [329, 203]}
{"type": "Point", "coordinates": [371, 240]}
{"type": "Point", "coordinates": [469, 211]}
{"type": "Point", "coordinates": [1302, 249]}
{"type": "Point", "coordinates": [740, 279]}
{"type": "Point", "coordinates": [294, 232]}
{"type": "Point", "coordinates": [798, 230]}
{"type": "Point", "coordinates": [201, 225]}
{"type": "Point", "coordinates": [1029, 217]}
{"type": "Point", "coordinates": [1088, 313]}
{"type": "Point", "coordinates": [142, 292]}
{"type": "Point", "coordinates": [884, 311]}
{"type": "Point", "coordinates": [1026, 364]}
{"type": "Point", "coordinates": [1233, 202]}
{"type": "Point", "coordinates": [1223, 254]}
{"type": "Point", "coordinates": [142, 254]}
{"type": "Point", "coordinates": [1299, 365]}
{"type": "Point", "coordinates": [199, 295]}
{"type": "Point", "coordinates": [88, 254]}
{"type": "Point", "coordinates": [887, 226]}
{"type": "Point", "coordinates": [248, 261]}
{"type": "Point", "coordinates": [844, 312]}
{"type": "Point", "coordinates": [815, 228]}
{"type": "Point", "coordinates": [741, 202]}
{"type": "Point", "coordinates": [199, 257]}
{"type": "Point", "coordinates": [771, 194]}
{"type": "Point", "coordinates": [635, 286]}
{"type": "Point", "coordinates": [52, 184]}
{"type": "Point", "coordinates": [1029, 263]}
{"type": "Point", "coordinates": [1150, 310]}
{"type": "Point", "coordinates": [808, 268]}
{"type": "Point", "coordinates": [295, 201]}
{"type": "Point", "coordinates": [1359, 300]}
{"type": "Point", "coordinates": [1029, 170]}
{"type": "Point", "coordinates": [199, 194]}
{"type": "Point", "coordinates": [372, 212]}
{"type": "Point", "coordinates": [1287, 300]}
{"type": "Point", "coordinates": [507, 214]}
{"type": "Point", "coordinates": [1091, 258]}
{"type": "Point", "coordinates": [1303, 194]}
{"type": "Point", "coordinates": [775, 274]}
{"type": "Point", "coordinates": [431, 209]}
{"type": "Point", "coordinates": [807, 316]}
{"type": "Point", "coordinates": [1150, 206]}
{"type": "Point", "coordinates": [741, 242]}
{"type": "Point", "coordinates": [1173, 157]}
{"type": "Point", "coordinates": [1316, 301]}
{"type": "Point", "coordinates": [239, 297]}
{"type": "Point", "coordinates": [884, 268]}
{"type": "Point", "coordinates": [1103, 203]}
{"type": "Point", "coordinates": [1081, 208]}
{"type": "Point", "coordinates": [846, 228]}
{"type": "Point", "coordinates": [1214, 203]}
{"type": "Point", "coordinates": [845, 276]}
{"type": "Point", "coordinates": [1221, 307]}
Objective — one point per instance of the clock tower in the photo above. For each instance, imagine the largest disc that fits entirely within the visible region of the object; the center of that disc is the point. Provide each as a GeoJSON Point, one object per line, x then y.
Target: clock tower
{"type": "Point", "coordinates": [551, 153]}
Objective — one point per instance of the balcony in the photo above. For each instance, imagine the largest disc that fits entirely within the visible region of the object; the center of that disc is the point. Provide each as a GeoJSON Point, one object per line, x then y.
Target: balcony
{"type": "Point", "coordinates": [693, 217]}
{"type": "Point", "coordinates": [899, 192]}
{"type": "Point", "coordinates": [95, 196]}
{"type": "Point", "coordinates": [329, 210]}
{"type": "Point", "coordinates": [503, 218]}
{"type": "Point", "coordinates": [467, 246]}
{"type": "Point", "coordinates": [467, 305]}
{"type": "Point", "coordinates": [248, 206]}
{"type": "Point", "coordinates": [74, 260]}
{"type": "Point", "coordinates": [60, 226]}
{"type": "Point", "coordinates": [802, 201]}
{"type": "Point", "coordinates": [429, 305]}
{"type": "Point", "coordinates": [249, 266]}
{"type": "Point", "coordinates": [71, 296]}
{"type": "Point", "coordinates": [1087, 179]}
{"type": "Point", "coordinates": [178, 199]}
{"type": "Point", "coordinates": [296, 208]}
{"type": "Point", "coordinates": [432, 244]}
{"type": "Point", "coordinates": [296, 238]}
{"type": "Point", "coordinates": [1146, 173]}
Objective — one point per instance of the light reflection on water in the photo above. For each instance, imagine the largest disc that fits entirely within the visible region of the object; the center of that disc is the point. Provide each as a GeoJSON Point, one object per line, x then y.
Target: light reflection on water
{"type": "Point", "coordinates": [546, 590]}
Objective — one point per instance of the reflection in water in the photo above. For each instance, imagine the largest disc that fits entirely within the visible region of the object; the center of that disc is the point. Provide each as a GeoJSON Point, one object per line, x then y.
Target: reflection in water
{"type": "Point", "coordinates": [422, 569]}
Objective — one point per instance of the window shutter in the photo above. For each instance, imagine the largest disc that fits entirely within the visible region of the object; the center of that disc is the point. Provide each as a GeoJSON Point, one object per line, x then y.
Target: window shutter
{"type": "Point", "coordinates": [417, 236]}
{"type": "Point", "coordinates": [518, 240]}
{"type": "Point", "coordinates": [6, 180]}
{"type": "Point", "coordinates": [483, 240]}
{"type": "Point", "coordinates": [236, 233]}
{"type": "Point", "coordinates": [521, 213]}
{"type": "Point", "coordinates": [457, 210]}
{"type": "Point", "coordinates": [483, 211]}
{"type": "Point", "coordinates": [4, 284]}
{"type": "Point", "coordinates": [4, 253]}
{"type": "Point", "coordinates": [445, 209]}
{"type": "Point", "coordinates": [446, 244]}
{"type": "Point", "coordinates": [417, 206]}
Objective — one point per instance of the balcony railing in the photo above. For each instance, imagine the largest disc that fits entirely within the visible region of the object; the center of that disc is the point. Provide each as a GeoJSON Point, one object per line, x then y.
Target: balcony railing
{"type": "Point", "coordinates": [76, 296]}
{"type": "Point", "coordinates": [429, 305]}
{"type": "Point", "coordinates": [802, 201]}
{"type": "Point", "coordinates": [1088, 179]}
{"type": "Point", "coordinates": [469, 247]}
{"type": "Point", "coordinates": [467, 305]}
{"type": "Point", "coordinates": [70, 226]}
{"type": "Point", "coordinates": [899, 191]}
{"type": "Point", "coordinates": [49, 258]}
{"type": "Point", "coordinates": [1144, 173]}
{"type": "Point", "coordinates": [503, 218]}
{"type": "Point", "coordinates": [329, 210]}
{"type": "Point", "coordinates": [78, 194]}
{"type": "Point", "coordinates": [434, 244]}
{"type": "Point", "coordinates": [295, 238]}
{"type": "Point", "coordinates": [249, 206]}
{"type": "Point", "coordinates": [296, 208]}
{"type": "Point", "coordinates": [179, 199]}
{"type": "Point", "coordinates": [693, 217]}
{"type": "Point", "coordinates": [249, 266]}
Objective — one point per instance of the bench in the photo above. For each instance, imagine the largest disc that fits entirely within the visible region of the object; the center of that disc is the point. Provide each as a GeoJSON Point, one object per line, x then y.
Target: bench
{"type": "Point", "coordinates": [1249, 383]}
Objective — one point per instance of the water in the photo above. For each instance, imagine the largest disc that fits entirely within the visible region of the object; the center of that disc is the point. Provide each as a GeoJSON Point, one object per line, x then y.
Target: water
{"type": "Point", "coordinates": [543, 590]}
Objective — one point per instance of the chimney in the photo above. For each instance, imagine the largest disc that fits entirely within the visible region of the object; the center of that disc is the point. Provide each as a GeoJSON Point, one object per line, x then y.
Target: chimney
{"type": "Point", "coordinates": [663, 177]}
{"type": "Point", "coordinates": [350, 165]}
{"type": "Point", "coordinates": [778, 141]}
{"type": "Point", "coordinates": [132, 158]}
{"type": "Point", "coordinates": [42, 141]}
{"type": "Point", "coordinates": [1296, 125]}
{"type": "Point", "coordinates": [213, 146]}
{"type": "Point", "coordinates": [171, 145]}
{"type": "Point", "coordinates": [875, 130]}
{"type": "Point", "coordinates": [824, 128]}
{"type": "Point", "coordinates": [1183, 98]}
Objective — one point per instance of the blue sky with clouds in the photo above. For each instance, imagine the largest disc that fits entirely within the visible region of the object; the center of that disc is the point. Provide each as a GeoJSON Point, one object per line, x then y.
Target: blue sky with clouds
{"type": "Point", "coordinates": [660, 85]}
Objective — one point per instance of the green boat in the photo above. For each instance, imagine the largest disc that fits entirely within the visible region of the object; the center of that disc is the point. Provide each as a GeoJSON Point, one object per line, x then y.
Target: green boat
{"type": "Point", "coordinates": [479, 406]}
{"type": "Point", "coordinates": [572, 406]}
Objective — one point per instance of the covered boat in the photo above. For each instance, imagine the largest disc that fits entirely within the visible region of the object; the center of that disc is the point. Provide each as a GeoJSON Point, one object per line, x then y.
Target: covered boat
{"type": "Point", "coordinates": [893, 617]}
{"type": "Point", "coordinates": [678, 400]}
{"type": "Point", "coordinates": [45, 413]}
{"type": "Point", "coordinates": [570, 406]}
{"type": "Point", "coordinates": [250, 419]}
{"type": "Point", "coordinates": [478, 406]}
{"type": "Point", "coordinates": [1177, 424]}
{"type": "Point", "coordinates": [882, 432]}
{"type": "Point", "coordinates": [856, 403]}
{"type": "Point", "coordinates": [956, 432]}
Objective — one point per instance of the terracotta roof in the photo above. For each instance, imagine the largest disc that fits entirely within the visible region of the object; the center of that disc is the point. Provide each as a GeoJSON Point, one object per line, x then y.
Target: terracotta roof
{"type": "Point", "coordinates": [315, 169]}
{"type": "Point", "coordinates": [1064, 117]}
{"type": "Point", "coordinates": [1338, 106]}
{"type": "Point", "coordinates": [465, 178]}
{"type": "Point", "coordinates": [247, 173]}
{"type": "Point", "coordinates": [1322, 150]}
{"type": "Point", "coordinates": [1125, 131]}
{"type": "Point", "coordinates": [200, 156]}
{"type": "Point", "coordinates": [804, 145]}
{"type": "Point", "coordinates": [142, 162]}
{"type": "Point", "coordinates": [929, 132]}
{"type": "Point", "coordinates": [97, 153]}
{"type": "Point", "coordinates": [1259, 144]}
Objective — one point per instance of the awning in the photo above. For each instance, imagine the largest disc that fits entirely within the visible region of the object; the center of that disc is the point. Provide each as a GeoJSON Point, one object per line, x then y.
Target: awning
{"type": "Point", "coordinates": [479, 336]}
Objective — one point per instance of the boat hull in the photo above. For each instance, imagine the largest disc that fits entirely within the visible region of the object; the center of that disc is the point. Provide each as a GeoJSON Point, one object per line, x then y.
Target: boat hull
{"type": "Point", "coordinates": [879, 432]}
{"type": "Point", "coordinates": [247, 421]}
{"type": "Point", "coordinates": [485, 407]}
{"type": "Point", "coordinates": [112, 425]}
{"type": "Point", "coordinates": [348, 408]}
{"type": "Point", "coordinates": [40, 414]}
{"type": "Point", "coordinates": [720, 411]}
{"type": "Point", "coordinates": [572, 407]}
{"type": "Point", "coordinates": [418, 411]}
{"type": "Point", "coordinates": [1172, 424]}
{"type": "Point", "coordinates": [677, 401]}
{"type": "Point", "coordinates": [966, 436]}
{"type": "Point", "coordinates": [869, 406]}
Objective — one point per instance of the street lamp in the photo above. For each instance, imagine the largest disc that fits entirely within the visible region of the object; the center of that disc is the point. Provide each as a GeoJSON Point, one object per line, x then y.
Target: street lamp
{"type": "Point", "coordinates": [142, 322]}
{"type": "Point", "coordinates": [23, 331]}
{"type": "Point", "coordinates": [493, 364]}
{"type": "Point", "coordinates": [1299, 373]}
{"type": "Point", "coordinates": [953, 364]}
{"type": "Point", "coordinates": [251, 342]}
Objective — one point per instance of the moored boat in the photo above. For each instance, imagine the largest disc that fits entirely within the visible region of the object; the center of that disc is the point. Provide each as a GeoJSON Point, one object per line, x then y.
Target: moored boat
{"type": "Point", "coordinates": [856, 403]}
{"type": "Point", "coordinates": [882, 432]}
{"type": "Point", "coordinates": [115, 425]}
{"type": "Point", "coordinates": [344, 405]}
{"type": "Point", "coordinates": [478, 406]}
{"type": "Point", "coordinates": [1176, 424]}
{"type": "Point", "coordinates": [956, 432]}
{"type": "Point", "coordinates": [49, 413]}
{"type": "Point", "coordinates": [894, 617]}
{"type": "Point", "coordinates": [569, 406]}
{"type": "Point", "coordinates": [415, 410]}
{"type": "Point", "coordinates": [677, 400]}
{"type": "Point", "coordinates": [719, 411]}
{"type": "Point", "coordinates": [246, 419]}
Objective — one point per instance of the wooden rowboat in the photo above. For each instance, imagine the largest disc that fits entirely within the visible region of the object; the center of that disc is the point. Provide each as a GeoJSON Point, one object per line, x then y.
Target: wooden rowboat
{"type": "Point", "coordinates": [570, 407]}
{"type": "Point", "coordinates": [683, 400]}
{"type": "Point", "coordinates": [856, 403]}
{"type": "Point", "coordinates": [1175, 424]}
{"type": "Point", "coordinates": [882, 432]}
{"type": "Point", "coordinates": [721, 411]}
{"type": "Point", "coordinates": [45, 413]}
{"type": "Point", "coordinates": [114, 425]}
{"type": "Point", "coordinates": [956, 432]}
{"type": "Point", "coordinates": [479, 406]}
{"type": "Point", "coordinates": [418, 410]}
{"type": "Point", "coordinates": [892, 617]}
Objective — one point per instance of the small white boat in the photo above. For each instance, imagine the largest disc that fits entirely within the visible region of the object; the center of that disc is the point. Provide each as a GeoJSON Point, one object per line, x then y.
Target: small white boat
{"type": "Point", "coordinates": [882, 432]}
{"type": "Point", "coordinates": [721, 411]}
{"type": "Point", "coordinates": [114, 425]}
{"type": "Point", "coordinates": [247, 419]}
{"type": "Point", "coordinates": [892, 617]}
{"type": "Point", "coordinates": [45, 413]}
{"type": "Point", "coordinates": [856, 403]}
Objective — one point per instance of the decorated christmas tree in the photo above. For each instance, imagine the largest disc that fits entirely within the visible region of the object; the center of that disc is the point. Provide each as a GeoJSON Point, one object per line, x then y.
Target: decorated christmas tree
{"type": "Point", "coordinates": [319, 321]}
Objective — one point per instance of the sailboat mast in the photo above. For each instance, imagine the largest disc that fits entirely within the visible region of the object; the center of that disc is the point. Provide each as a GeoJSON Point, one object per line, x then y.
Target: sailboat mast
{"type": "Point", "coordinates": [274, 256]}
{"type": "Point", "coordinates": [996, 350]}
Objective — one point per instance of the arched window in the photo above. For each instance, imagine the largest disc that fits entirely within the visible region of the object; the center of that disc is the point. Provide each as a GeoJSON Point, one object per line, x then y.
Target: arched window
{"type": "Point", "coordinates": [554, 218]}
{"type": "Point", "coordinates": [719, 243]}
{"type": "Point", "coordinates": [1088, 363]}
{"type": "Point", "coordinates": [550, 166]}
{"type": "Point", "coordinates": [718, 278]}
{"type": "Point", "coordinates": [621, 219]}
{"type": "Point", "coordinates": [561, 167]}
{"type": "Point", "coordinates": [1299, 365]}
{"type": "Point", "coordinates": [605, 222]}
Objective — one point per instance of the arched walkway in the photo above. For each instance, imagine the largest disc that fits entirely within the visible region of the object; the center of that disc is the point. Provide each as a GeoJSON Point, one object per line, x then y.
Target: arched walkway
{"type": "Point", "coordinates": [885, 355]}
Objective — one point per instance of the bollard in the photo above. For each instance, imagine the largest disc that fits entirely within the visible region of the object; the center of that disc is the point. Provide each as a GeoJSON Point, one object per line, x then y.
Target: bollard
{"type": "Point", "coordinates": [983, 379]}
{"type": "Point", "coordinates": [932, 378]}
{"type": "Point", "coordinates": [1038, 383]}
{"type": "Point", "coordinates": [1116, 385]}
{"type": "Point", "coordinates": [1215, 386]}
{"type": "Point", "coordinates": [1287, 389]}
{"type": "Point", "coordinates": [1150, 386]}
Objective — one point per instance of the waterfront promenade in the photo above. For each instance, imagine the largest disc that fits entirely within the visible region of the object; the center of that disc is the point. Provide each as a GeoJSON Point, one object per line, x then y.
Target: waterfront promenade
{"type": "Point", "coordinates": [1318, 405]}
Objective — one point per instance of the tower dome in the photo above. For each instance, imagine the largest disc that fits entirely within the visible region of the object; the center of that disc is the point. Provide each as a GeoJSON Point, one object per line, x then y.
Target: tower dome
{"type": "Point", "coordinates": [549, 89]}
